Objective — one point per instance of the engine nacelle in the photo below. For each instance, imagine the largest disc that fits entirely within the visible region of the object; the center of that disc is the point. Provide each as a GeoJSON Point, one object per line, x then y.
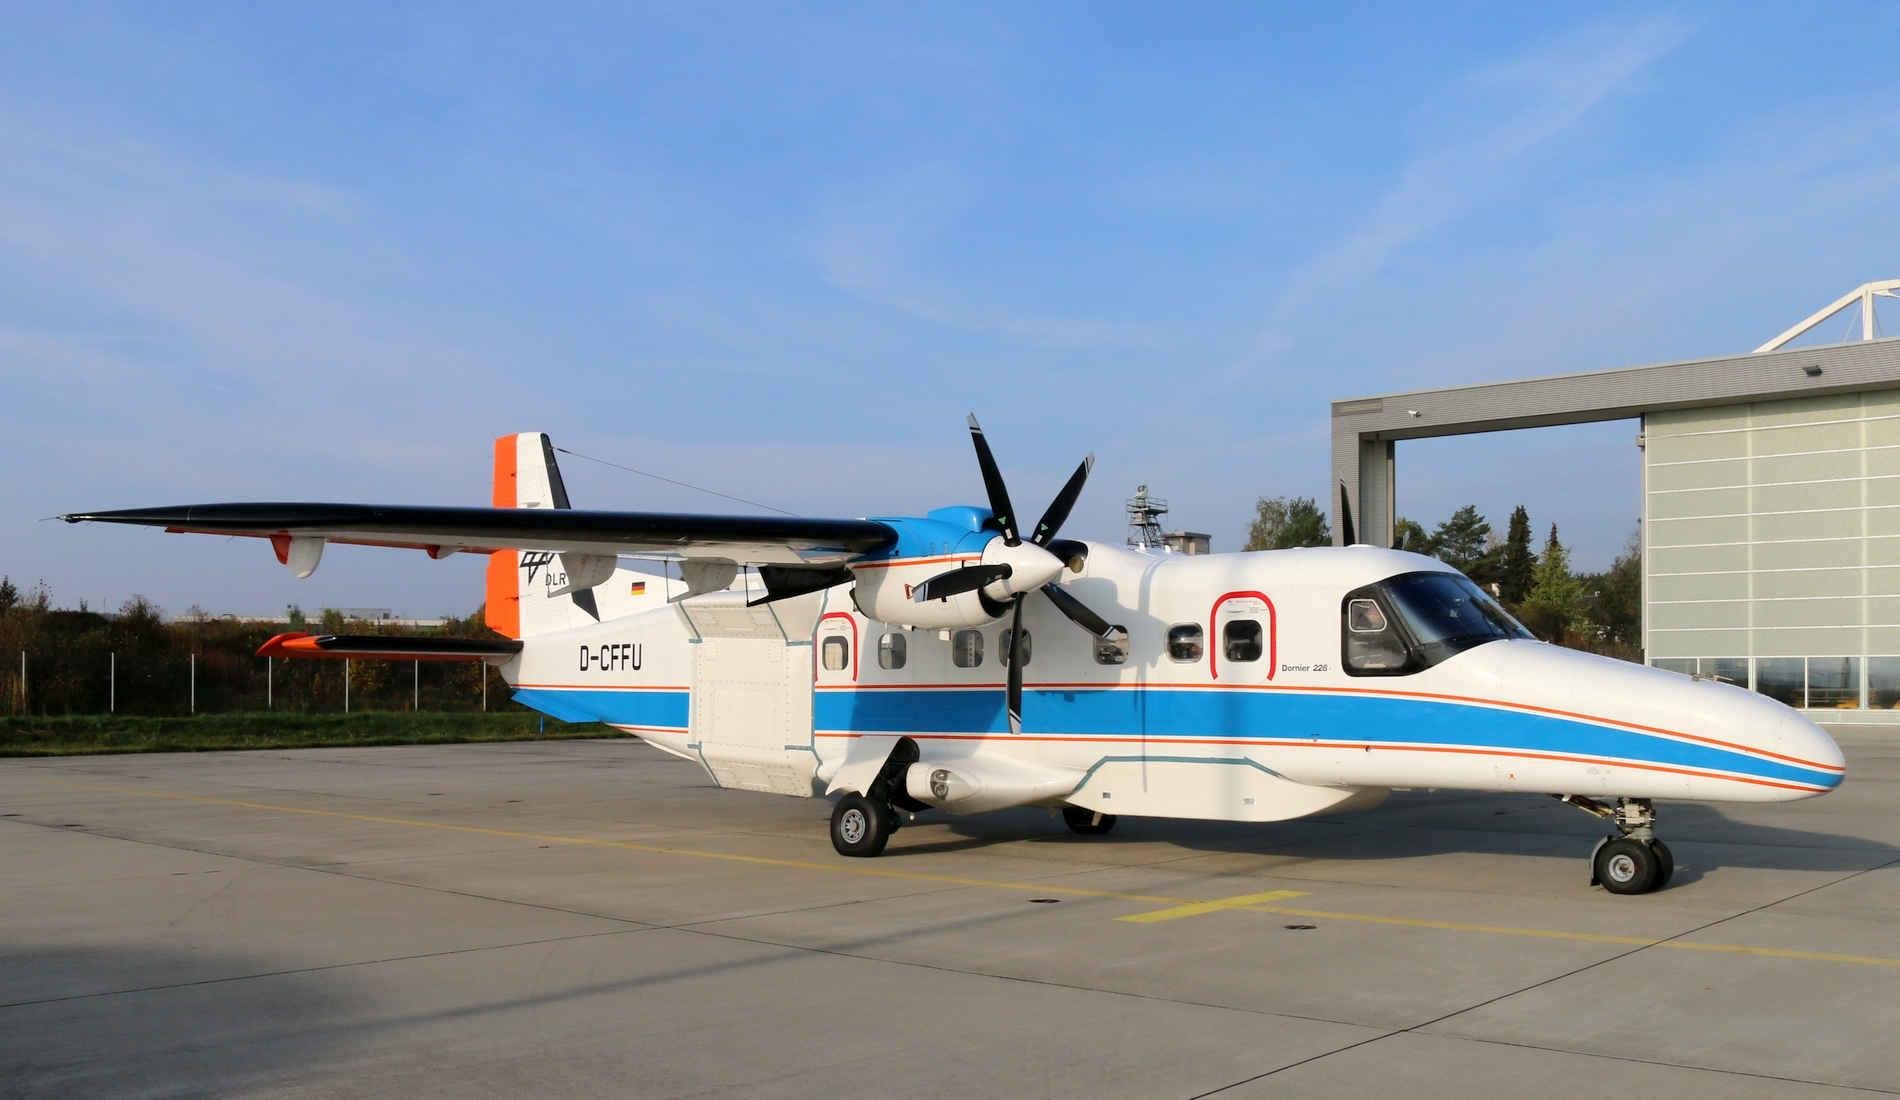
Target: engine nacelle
{"type": "Point", "coordinates": [886, 591]}
{"type": "Point", "coordinates": [886, 595]}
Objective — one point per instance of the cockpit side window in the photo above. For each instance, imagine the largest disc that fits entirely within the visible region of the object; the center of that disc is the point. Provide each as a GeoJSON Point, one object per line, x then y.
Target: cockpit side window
{"type": "Point", "coordinates": [1372, 645]}
{"type": "Point", "coordinates": [1415, 620]}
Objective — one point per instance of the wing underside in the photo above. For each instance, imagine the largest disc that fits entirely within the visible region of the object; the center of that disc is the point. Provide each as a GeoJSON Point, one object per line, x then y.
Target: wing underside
{"type": "Point", "coordinates": [440, 531]}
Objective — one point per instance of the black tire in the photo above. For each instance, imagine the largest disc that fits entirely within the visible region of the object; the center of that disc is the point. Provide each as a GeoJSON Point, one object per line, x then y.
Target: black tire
{"type": "Point", "coordinates": [861, 827]}
{"type": "Point", "coordinates": [1085, 822]}
{"type": "Point", "coordinates": [1625, 866]}
{"type": "Point", "coordinates": [1665, 864]}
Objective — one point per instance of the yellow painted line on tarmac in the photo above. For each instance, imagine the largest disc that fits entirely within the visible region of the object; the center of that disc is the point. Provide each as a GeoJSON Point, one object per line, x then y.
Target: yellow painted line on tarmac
{"type": "Point", "coordinates": [853, 867]}
{"type": "Point", "coordinates": [1178, 906]}
{"type": "Point", "coordinates": [1582, 937]}
{"type": "Point", "coordinates": [1195, 909]}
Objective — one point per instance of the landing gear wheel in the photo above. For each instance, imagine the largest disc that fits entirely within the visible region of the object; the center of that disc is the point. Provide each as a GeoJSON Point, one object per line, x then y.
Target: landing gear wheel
{"type": "Point", "coordinates": [1087, 822]}
{"type": "Point", "coordinates": [861, 827]}
{"type": "Point", "coordinates": [1627, 866]}
{"type": "Point", "coordinates": [1665, 864]}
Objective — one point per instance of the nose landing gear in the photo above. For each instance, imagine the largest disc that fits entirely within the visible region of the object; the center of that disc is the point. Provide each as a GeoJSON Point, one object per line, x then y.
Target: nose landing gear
{"type": "Point", "coordinates": [1633, 861]}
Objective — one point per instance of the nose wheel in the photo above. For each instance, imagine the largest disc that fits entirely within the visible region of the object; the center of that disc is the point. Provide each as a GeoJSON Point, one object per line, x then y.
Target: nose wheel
{"type": "Point", "coordinates": [1632, 861]}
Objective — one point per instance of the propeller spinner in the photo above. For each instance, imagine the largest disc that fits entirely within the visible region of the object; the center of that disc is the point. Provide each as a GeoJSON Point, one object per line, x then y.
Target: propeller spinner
{"type": "Point", "coordinates": [1018, 567]}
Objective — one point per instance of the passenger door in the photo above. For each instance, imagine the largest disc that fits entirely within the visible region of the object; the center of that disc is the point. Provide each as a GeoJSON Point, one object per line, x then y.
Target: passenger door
{"type": "Point", "coordinates": [1242, 645]}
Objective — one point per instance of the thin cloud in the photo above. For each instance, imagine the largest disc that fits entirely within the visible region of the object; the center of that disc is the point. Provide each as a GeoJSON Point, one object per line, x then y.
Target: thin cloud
{"type": "Point", "coordinates": [868, 248]}
{"type": "Point", "coordinates": [1553, 87]}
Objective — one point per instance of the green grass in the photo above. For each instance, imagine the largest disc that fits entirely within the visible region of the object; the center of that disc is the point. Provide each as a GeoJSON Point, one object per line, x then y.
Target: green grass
{"type": "Point", "coordinates": [73, 735]}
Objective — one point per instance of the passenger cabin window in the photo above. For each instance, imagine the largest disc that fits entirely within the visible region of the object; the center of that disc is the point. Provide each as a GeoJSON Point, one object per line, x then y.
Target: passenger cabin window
{"type": "Point", "coordinates": [1112, 649]}
{"type": "Point", "coordinates": [891, 650]}
{"type": "Point", "coordinates": [966, 648]}
{"type": "Point", "coordinates": [1241, 640]}
{"type": "Point", "coordinates": [1184, 642]}
{"type": "Point", "coordinates": [1002, 649]}
{"type": "Point", "coordinates": [836, 653]}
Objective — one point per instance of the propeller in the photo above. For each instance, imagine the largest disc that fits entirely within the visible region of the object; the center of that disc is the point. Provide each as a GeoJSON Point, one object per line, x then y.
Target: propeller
{"type": "Point", "coordinates": [1026, 566]}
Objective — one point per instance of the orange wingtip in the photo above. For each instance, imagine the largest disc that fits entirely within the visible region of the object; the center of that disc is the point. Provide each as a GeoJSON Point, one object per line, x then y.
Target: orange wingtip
{"type": "Point", "coordinates": [294, 644]}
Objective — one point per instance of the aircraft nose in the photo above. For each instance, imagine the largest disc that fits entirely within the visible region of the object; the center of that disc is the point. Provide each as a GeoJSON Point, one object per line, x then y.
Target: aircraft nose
{"type": "Point", "coordinates": [1791, 735]}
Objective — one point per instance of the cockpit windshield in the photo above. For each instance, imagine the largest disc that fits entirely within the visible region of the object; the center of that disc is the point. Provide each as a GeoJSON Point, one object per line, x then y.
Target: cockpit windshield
{"type": "Point", "coordinates": [1446, 613]}
{"type": "Point", "coordinates": [1415, 620]}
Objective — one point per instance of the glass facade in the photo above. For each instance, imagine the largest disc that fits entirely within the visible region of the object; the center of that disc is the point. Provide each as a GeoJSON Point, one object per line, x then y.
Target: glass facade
{"type": "Point", "coordinates": [1784, 679]}
{"type": "Point", "coordinates": [1814, 683]}
{"type": "Point", "coordinates": [1771, 537]}
{"type": "Point", "coordinates": [1883, 683]}
{"type": "Point", "coordinates": [1834, 683]}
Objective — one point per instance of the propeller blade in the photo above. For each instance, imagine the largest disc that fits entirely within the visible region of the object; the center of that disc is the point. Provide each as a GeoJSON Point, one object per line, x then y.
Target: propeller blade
{"type": "Point", "coordinates": [1016, 666]}
{"type": "Point", "coordinates": [1077, 611]}
{"type": "Point", "coordinates": [1348, 536]}
{"type": "Point", "coordinates": [1000, 510]}
{"type": "Point", "coordinates": [956, 582]}
{"type": "Point", "coordinates": [1058, 513]}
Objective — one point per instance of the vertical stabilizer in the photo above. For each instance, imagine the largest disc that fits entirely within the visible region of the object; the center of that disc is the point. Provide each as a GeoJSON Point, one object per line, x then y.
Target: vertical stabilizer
{"type": "Point", "coordinates": [530, 591]}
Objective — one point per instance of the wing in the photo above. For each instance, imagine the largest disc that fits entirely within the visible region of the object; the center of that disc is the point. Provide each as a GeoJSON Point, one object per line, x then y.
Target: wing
{"type": "Point", "coordinates": [747, 540]}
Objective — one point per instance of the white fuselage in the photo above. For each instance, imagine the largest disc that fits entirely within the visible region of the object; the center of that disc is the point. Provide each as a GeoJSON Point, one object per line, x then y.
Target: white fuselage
{"type": "Point", "coordinates": [1232, 700]}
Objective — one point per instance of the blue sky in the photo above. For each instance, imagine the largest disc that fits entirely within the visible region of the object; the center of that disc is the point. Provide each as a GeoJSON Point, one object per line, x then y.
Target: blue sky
{"type": "Point", "coordinates": [781, 251]}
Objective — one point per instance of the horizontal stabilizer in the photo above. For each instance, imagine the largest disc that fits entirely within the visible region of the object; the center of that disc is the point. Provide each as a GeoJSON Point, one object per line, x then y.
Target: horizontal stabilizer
{"type": "Point", "coordinates": [387, 647]}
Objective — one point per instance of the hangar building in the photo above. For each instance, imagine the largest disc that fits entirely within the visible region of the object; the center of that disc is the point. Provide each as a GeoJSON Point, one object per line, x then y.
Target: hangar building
{"type": "Point", "coordinates": [1771, 503]}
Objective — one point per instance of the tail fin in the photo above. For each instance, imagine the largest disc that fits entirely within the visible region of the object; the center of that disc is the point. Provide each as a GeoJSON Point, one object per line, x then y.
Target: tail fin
{"type": "Point", "coordinates": [527, 476]}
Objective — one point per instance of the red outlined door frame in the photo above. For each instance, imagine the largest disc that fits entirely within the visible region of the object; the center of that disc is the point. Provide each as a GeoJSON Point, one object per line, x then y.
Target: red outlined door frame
{"type": "Point", "coordinates": [1215, 641]}
{"type": "Point", "coordinates": [818, 670]}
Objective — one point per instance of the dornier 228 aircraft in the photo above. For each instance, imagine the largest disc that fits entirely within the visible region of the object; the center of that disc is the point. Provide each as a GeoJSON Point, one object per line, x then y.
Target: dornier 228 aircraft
{"type": "Point", "coordinates": [961, 662]}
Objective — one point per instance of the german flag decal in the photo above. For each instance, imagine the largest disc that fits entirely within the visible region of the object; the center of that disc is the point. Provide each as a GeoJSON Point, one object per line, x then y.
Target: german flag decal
{"type": "Point", "coordinates": [639, 588]}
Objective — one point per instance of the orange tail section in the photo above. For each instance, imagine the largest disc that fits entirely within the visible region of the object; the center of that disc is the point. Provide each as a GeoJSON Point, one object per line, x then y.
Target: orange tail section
{"type": "Point", "coordinates": [502, 611]}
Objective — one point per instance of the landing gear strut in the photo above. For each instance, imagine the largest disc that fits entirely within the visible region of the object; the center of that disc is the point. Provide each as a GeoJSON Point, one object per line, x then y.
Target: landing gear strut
{"type": "Point", "coordinates": [1633, 861]}
{"type": "Point", "coordinates": [862, 823]}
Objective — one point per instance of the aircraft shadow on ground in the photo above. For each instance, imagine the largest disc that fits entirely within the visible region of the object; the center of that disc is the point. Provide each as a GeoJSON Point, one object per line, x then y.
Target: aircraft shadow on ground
{"type": "Point", "coordinates": [1413, 825]}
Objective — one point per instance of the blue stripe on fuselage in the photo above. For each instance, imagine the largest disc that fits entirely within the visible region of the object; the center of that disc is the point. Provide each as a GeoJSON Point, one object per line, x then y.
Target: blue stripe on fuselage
{"type": "Point", "coordinates": [622, 708]}
{"type": "Point", "coordinates": [1175, 712]}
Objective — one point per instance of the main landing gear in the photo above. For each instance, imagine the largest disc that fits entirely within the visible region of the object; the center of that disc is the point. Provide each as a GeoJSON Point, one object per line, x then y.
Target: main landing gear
{"type": "Point", "coordinates": [861, 826]}
{"type": "Point", "coordinates": [1633, 861]}
{"type": "Point", "coordinates": [1083, 822]}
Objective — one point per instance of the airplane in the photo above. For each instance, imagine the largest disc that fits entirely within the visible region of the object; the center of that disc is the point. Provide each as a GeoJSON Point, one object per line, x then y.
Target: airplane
{"type": "Point", "coordinates": [958, 661]}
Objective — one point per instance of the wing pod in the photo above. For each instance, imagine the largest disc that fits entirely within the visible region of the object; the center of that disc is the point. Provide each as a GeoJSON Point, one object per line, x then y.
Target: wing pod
{"type": "Point", "coordinates": [336, 647]}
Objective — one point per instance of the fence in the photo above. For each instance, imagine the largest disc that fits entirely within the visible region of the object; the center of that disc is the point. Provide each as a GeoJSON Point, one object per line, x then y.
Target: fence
{"type": "Point", "coordinates": [91, 680]}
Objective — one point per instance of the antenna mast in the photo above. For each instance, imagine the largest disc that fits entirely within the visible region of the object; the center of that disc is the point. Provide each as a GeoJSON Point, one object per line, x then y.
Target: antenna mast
{"type": "Point", "coordinates": [1144, 520]}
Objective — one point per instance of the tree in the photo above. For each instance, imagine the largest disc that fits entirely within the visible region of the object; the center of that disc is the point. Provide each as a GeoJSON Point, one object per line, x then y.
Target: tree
{"type": "Point", "coordinates": [1407, 534]}
{"type": "Point", "coordinates": [294, 618]}
{"type": "Point", "coordinates": [1459, 541]}
{"type": "Point", "coordinates": [1283, 522]}
{"type": "Point", "coordinates": [1555, 605]}
{"type": "Point", "coordinates": [9, 595]}
{"type": "Point", "coordinates": [1516, 563]}
{"type": "Point", "coordinates": [1616, 599]}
